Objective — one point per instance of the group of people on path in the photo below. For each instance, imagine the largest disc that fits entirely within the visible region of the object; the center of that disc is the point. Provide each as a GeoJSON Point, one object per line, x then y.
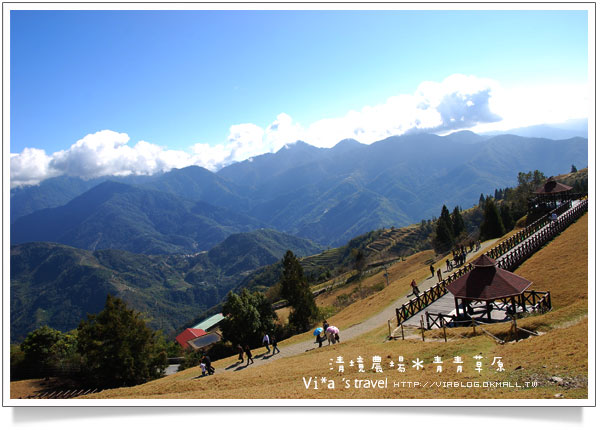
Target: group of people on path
{"type": "Point", "coordinates": [272, 341]}
{"type": "Point", "coordinates": [248, 352]}
{"type": "Point", "coordinates": [330, 337]}
{"type": "Point", "coordinates": [433, 272]}
{"type": "Point", "coordinates": [206, 365]}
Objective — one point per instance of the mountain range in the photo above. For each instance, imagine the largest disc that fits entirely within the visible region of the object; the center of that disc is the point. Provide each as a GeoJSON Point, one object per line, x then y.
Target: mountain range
{"type": "Point", "coordinates": [327, 195]}
{"type": "Point", "coordinates": [172, 245]}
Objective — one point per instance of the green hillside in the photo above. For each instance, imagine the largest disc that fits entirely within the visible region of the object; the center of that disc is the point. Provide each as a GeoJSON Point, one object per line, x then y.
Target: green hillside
{"type": "Point", "coordinates": [59, 285]}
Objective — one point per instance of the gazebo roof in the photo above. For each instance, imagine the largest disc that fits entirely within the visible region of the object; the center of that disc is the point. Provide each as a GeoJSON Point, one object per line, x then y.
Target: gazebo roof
{"type": "Point", "coordinates": [484, 261]}
{"type": "Point", "coordinates": [487, 282]}
{"type": "Point", "coordinates": [553, 187]}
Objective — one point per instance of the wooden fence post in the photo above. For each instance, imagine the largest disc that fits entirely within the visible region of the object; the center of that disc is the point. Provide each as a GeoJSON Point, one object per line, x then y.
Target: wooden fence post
{"type": "Point", "coordinates": [422, 329]}
{"type": "Point", "coordinates": [444, 328]}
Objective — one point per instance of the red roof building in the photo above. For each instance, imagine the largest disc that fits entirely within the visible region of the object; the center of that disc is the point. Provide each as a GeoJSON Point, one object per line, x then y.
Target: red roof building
{"type": "Point", "coordinates": [187, 335]}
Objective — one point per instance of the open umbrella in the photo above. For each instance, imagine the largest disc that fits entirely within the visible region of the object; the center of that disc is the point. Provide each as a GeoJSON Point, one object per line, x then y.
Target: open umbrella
{"type": "Point", "coordinates": [318, 331]}
{"type": "Point", "coordinates": [332, 329]}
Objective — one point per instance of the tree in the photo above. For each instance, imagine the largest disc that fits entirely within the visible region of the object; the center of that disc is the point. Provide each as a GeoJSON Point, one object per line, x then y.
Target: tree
{"type": "Point", "coordinates": [39, 350]}
{"type": "Point", "coordinates": [491, 226]}
{"type": "Point", "coordinates": [443, 237]}
{"type": "Point", "coordinates": [444, 231]}
{"type": "Point", "coordinates": [248, 317]}
{"type": "Point", "coordinates": [506, 216]}
{"type": "Point", "coordinates": [294, 288]}
{"type": "Point", "coordinates": [117, 347]}
{"type": "Point", "coordinates": [458, 224]}
{"type": "Point", "coordinates": [573, 168]}
{"type": "Point", "coordinates": [481, 200]}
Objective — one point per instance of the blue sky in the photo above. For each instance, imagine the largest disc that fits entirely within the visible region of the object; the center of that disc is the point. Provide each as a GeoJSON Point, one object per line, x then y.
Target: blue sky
{"type": "Point", "coordinates": [213, 87]}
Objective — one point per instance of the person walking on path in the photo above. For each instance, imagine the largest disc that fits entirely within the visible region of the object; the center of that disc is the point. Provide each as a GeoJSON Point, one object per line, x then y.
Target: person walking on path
{"type": "Point", "coordinates": [274, 343]}
{"type": "Point", "coordinates": [415, 288]}
{"type": "Point", "coordinates": [439, 273]}
{"type": "Point", "coordinates": [325, 326]}
{"type": "Point", "coordinates": [432, 270]}
{"type": "Point", "coordinates": [448, 265]}
{"type": "Point", "coordinates": [320, 339]}
{"type": "Point", "coordinates": [208, 364]}
{"type": "Point", "coordinates": [249, 355]}
{"type": "Point", "coordinates": [266, 342]}
{"type": "Point", "coordinates": [240, 353]}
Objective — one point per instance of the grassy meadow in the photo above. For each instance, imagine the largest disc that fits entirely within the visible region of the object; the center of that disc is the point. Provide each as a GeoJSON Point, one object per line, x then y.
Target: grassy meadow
{"type": "Point", "coordinates": [553, 365]}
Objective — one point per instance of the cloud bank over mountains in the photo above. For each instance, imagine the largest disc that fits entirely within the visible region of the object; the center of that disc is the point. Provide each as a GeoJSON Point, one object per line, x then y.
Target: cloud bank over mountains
{"type": "Point", "coordinates": [458, 102]}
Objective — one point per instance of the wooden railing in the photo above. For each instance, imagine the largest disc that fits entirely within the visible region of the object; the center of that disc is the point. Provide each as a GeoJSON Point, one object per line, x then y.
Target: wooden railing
{"type": "Point", "coordinates": [438, 320]}
{"type": "Point", "coordinates": [417, 304]}
{"type": "Point", "coordinates": [62, 394]}
{"type": "Point", "coordinates": [539, 301]}
{"type": "Point", "coordinates": [525, 242]}
{"type": "Point", "coordinates": [525, 233]}
{"type": "Point", "coordinates": [525, 249]}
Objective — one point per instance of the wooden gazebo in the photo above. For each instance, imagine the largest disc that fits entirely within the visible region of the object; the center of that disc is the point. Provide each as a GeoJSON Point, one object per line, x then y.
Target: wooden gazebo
{"type": "Point", "coordinates": [488, 283]}
{"type": "Point", "coordinates": [553, 191]}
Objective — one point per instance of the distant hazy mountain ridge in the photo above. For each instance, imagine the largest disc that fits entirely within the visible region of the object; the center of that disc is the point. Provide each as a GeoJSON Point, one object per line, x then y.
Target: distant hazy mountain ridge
{"type": "Point", "coordinates": [326, 195]}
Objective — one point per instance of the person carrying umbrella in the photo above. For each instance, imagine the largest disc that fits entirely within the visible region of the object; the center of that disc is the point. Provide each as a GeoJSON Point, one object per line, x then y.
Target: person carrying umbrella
{"type": "Point", "coordinates": [317, 333]}
{"type": "Point", "coordinates": [331, 334]}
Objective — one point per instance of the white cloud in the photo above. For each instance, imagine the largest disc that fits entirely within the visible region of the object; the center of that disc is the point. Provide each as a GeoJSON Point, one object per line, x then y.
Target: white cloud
{"type": "Point", "coordinates": [458, 102]}
{"type": "Point", "coordinates": [538, 104]}
{"type": "Point", "coordinates": [30, 167]}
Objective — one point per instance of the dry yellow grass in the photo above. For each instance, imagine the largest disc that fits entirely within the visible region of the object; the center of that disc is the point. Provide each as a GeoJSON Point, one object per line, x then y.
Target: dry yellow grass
{"type": "Point", "coordinates": [283, 379]}
{"type": "Point", "coordinates": [560, 267]}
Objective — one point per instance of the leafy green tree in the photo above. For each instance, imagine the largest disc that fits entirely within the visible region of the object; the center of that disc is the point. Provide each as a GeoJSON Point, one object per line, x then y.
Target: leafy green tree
{"type": "Point", "coordinates": [491, 226]}
{"type": "Point", "coordinates": [117, 347]}
{"type": "Point", "coordinates": [295, 289]}
{"type": "Point", "coordinates": [248, 317]}
{"type": "Point", "coordinates": [39, 349]}
{"type": "Point", "coordinates": [573, 168]}
{"type": "Point", "coordinates": [46, 351]}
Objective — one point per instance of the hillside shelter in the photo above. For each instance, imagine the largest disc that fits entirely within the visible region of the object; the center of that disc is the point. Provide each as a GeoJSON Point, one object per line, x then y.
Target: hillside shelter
{"type": "Point", "coordinates": [552, 192]}
{"type": "Point", "coordinates": [488, 283]}
{"type": "Point", "coordinates": [204, 341]}
{"type": "Point", "coordinates": [210, 323]}
{"type": "Point", "coordinates": [187, 335]}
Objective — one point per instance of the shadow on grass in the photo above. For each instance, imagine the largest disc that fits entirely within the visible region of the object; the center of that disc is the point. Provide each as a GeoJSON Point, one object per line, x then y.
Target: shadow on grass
{"type": "Point", "coordinates": [241, 367]}
{"type": "Point", "coordinates": [236, 364]}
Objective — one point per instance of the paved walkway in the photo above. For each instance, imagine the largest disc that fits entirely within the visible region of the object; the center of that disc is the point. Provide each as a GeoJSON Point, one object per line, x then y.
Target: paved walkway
{"type": "Point", "coordinates": [366, 326]}
{"type": "Point", "coordinates": [349, 333]}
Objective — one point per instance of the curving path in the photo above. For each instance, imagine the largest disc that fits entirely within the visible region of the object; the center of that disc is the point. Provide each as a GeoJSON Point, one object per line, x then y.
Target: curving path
{"type": "Point", "coordinates": [349, 333]}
